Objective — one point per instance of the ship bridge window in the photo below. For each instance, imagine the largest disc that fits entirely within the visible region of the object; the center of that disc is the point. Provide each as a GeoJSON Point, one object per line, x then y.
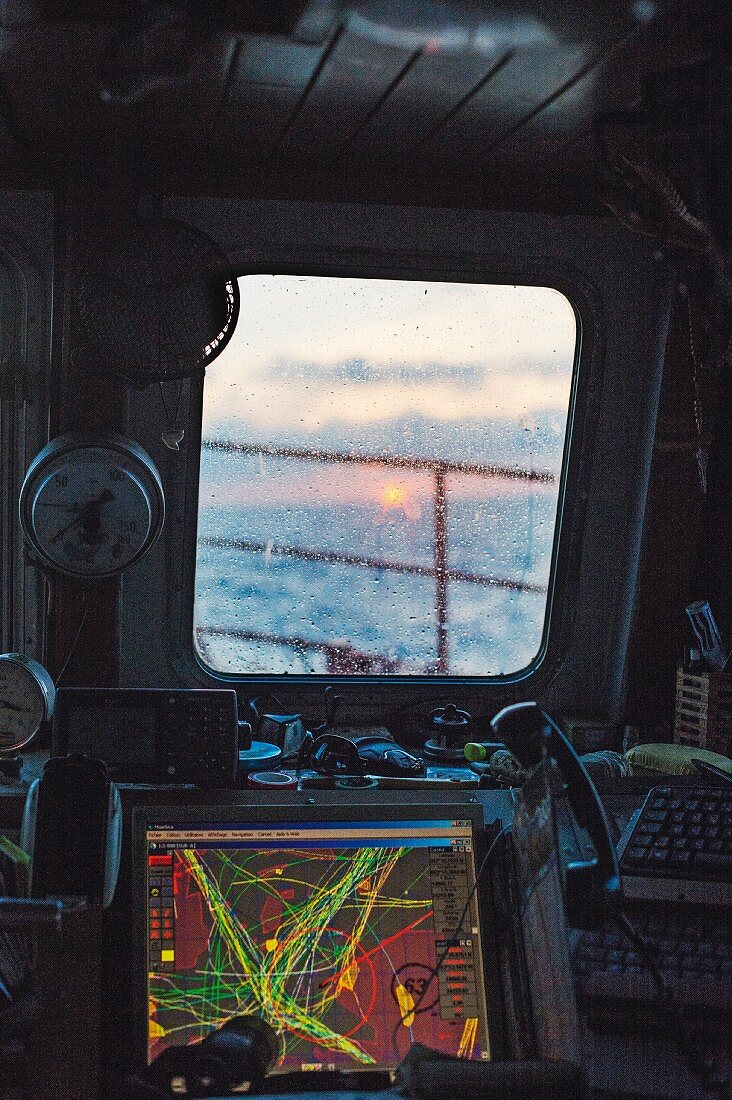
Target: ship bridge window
{"type": "Point", "coordinates": [380, 480]}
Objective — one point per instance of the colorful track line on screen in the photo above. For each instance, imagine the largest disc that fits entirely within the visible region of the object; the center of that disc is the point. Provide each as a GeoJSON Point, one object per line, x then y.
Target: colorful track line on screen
{"type": "Point", "coordinates": [319, 943]}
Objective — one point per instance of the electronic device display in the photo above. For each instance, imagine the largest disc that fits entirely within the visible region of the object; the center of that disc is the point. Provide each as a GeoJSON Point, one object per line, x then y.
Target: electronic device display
{"type": "Point", "coordinates": [353, 935]}
{"type": "Point", "coordinates": [152, 735]}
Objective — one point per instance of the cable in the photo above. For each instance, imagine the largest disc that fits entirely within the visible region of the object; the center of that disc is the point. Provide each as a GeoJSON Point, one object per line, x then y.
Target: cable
{"type": "Point", "coordinates": [687, 1041]}
{"type": "Point", "coordinates": [646, 953]}
{"type": "Point", "coordinates": [69, 655]}
{"type": "Point", "coordinates": [172, 421]}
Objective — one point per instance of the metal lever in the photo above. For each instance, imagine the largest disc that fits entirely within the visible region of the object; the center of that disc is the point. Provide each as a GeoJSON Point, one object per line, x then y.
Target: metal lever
{"type": "Point", "coordinates": [18, 914]}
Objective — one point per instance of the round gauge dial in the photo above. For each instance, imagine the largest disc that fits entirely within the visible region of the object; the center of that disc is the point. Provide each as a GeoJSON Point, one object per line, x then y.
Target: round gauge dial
{"type": "Point", "coordinates": [27, 697]}
{"type": "Point", "coordinates": [91, 504]}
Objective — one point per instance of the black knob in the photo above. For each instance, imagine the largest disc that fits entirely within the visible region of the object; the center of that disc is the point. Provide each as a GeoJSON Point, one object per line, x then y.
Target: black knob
{"type": "Point", "coordinates": [450, 719]}
{"type": "Point", "coordinates": [240, 1052]}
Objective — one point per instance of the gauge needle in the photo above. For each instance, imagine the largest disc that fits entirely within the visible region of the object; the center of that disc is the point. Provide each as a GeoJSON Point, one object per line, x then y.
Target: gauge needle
{"type": "Point", "coordinates": [87, 513]}
{"type": "Point", "coordinates": [60, 534]}
{"type": "Point", "coordinates": [9, 706]}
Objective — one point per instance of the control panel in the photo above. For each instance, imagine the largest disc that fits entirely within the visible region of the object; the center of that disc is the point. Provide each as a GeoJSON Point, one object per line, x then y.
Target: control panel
{"type": "Point", "coordinates": [152, 735]}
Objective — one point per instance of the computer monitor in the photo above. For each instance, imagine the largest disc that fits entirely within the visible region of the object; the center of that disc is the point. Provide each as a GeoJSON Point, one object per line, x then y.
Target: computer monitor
{"type": "Point", "coordinates": [354, 932]}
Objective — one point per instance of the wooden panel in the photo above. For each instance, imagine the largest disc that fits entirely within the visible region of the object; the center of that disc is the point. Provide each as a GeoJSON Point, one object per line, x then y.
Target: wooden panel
{"type": "Point", "coordinates": [560, 121]}
{"type": "Point", "coordinates": [435, 86]}
{"type": "Point", "coordinates": [269, 78]}
{"type": "Point", "coordinates": [518, 89]}
{"type": "Point", "coordinates": [354, 79]}
{"type": "Point", "coordinates": [562, 129]}
{"type": "Point", "coordinates": [533, 80]}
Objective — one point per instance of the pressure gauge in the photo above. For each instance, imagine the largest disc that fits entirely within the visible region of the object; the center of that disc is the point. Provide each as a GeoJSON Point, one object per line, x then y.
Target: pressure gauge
{"type": "Point", "coordinates": [27, 697]}
{"type": "Point", "coordinates": [91, 504]}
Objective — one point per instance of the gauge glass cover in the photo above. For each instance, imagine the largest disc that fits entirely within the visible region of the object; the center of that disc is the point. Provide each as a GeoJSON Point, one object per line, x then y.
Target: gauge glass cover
{"type": "Point", "coordinates": [91, 510]}
{"type": "Point", "coordinates": [24, 700]}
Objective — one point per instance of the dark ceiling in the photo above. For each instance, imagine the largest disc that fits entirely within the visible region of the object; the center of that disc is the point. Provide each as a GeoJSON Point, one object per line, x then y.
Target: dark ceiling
{"type": "Point", "coordinates": [447, 101]}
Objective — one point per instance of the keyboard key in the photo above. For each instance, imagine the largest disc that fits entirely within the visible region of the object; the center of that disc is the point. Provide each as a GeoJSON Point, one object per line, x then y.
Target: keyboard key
{"type": "Point", "coordinates": [684, 833]}
{"type": "Point", "coordinates": [635, 855]}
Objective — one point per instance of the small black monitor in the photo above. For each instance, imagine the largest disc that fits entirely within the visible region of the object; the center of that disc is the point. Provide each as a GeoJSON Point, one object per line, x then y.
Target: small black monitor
{"type": "Point", "coordinates": [354, 932]}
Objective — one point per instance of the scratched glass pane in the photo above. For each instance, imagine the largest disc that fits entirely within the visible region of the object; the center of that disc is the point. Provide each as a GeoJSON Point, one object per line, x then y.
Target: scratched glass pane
{"type": "Point", "coordinates": [379, 477]}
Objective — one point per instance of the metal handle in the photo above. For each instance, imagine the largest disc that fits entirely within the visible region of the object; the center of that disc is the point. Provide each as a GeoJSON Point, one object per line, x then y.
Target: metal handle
{"type": "Point", "coordinates": [26, 913]}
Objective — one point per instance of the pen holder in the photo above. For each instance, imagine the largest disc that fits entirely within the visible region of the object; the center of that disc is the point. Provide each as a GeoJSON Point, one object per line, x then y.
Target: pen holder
{"type": "Point", "coordinates": [704, 710]}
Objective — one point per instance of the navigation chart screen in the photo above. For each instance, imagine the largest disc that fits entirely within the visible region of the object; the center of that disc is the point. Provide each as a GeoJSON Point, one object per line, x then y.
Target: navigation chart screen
{"type": "Point", "coordinates": [331, 932]}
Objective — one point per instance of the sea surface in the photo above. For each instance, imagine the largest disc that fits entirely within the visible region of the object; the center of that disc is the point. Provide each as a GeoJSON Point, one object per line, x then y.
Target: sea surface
{"type": "Point", "coordinates": [312, 591]}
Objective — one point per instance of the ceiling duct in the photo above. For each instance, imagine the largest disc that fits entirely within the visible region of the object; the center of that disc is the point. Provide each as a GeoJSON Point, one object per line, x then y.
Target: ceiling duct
{"type": "Point", "coordinates": [453, 26]}
{"type": "Point", "coordinates": [446, 27]}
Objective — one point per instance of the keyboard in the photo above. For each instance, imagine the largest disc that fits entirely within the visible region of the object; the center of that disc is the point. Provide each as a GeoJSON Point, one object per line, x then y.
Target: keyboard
{"type": "Point", "coordinates": [679, 846]}
{"type": "Point", "coordinates": [692, 949]}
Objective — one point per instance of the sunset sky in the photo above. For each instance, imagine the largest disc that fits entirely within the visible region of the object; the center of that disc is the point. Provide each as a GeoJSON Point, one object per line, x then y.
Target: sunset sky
{"type": "Point", "coordinates": [315, 350]}
{"type": "Point", "coordinates": [383, 366]}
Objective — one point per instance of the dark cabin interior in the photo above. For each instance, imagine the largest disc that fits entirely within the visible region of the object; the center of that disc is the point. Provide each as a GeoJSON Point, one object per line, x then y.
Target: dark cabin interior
{"type": "Point", "coordinates": [583, 148]}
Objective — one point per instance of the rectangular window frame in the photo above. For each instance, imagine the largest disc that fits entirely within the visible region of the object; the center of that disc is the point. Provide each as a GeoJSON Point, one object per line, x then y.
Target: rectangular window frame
{"type": "Point", "coordinates": [374, 698]}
